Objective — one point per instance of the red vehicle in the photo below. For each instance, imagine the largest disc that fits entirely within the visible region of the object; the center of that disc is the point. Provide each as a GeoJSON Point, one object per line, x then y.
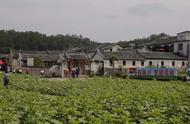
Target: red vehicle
{"type": "Point", "coordinates": [3, 65]}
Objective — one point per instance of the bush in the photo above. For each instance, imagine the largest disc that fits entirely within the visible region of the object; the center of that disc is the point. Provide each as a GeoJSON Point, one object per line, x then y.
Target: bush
{"type": "Point", "coordinates": [119, 75]}
{"type": "Point", "coordinates": [124, 76]}
{"type": "Point", "coordinates": [91, 74]}
{"type": "Point", "coordinates": [182, 78]}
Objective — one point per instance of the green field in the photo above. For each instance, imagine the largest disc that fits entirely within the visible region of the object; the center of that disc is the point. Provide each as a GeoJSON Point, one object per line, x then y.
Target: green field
{"type": "Point", "coordinates": [30, 100]}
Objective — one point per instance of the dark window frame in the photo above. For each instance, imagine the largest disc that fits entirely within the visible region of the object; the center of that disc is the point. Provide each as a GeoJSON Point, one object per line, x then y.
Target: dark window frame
{"type": "Point", "coordinates": [162, 63]}
{"type": "Point", "coordinates": [124, 63]}
{"type": "Point", "coordinates": [183, 63]}
{"type": "Point", "coordinates": [173, 63]}
{"type": "Point", "coordinates": [134, 63]}
{"type": "Point", "coordinates": [142, 63]}
{"type": "Point", "coordinates": [180, 47]}
{"type": "Point", "coordinates": [111, 62]}
{"type": "Point", "coordinates": [150, 63]}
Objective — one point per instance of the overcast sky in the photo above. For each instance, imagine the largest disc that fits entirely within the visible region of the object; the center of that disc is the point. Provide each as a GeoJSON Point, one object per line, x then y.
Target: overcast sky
{"type": "Point", "coordinates": [100, 20]}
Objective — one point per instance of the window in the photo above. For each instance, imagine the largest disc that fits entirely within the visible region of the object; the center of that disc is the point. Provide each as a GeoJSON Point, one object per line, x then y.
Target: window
{"type": "Point", "coordinates": [111, 50]}
{"type": "Point", "coordinates": [183, 63]}
{"type": "Point", "coordinates": [124, 63]}
{"type": "Point", "coordinates": [162, 63]}
{"type": "Point", "coordinates": [173, 63]}
{"type": "Point", "coordinates": [142, 63]}
{"type": "Point", "coordinates": [180, 46]}
{"type": "Point", "coordinates": [133, 63]}
{"type": "Point", "coordinates": [111, 63]}
{"type": "Point", "coordinates": [150, 63]}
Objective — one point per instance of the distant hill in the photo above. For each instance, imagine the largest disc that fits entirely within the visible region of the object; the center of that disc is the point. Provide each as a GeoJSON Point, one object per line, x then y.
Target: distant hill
{"type": "Point", "coordinates": [36, 41]}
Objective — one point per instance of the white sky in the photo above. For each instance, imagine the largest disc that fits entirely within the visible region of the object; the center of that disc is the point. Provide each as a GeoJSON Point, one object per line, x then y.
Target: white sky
{"type": "Point", "coordinates": [100, 20]}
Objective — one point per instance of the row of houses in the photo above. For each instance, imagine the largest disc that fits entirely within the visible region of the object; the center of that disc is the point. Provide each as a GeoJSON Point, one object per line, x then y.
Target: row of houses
{"type": "Point", "coordinates": [105, 59]}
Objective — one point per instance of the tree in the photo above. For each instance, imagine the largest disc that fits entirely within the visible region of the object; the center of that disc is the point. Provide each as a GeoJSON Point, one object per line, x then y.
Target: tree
{"type": "Point", "coordinates": [38, 62]}
{"type": "Point", "coordinates": [36, 41]}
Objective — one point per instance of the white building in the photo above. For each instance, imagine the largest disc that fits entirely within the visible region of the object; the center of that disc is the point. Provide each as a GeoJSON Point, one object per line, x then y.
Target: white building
{"type": "Point", "coordinates": [124, 60]}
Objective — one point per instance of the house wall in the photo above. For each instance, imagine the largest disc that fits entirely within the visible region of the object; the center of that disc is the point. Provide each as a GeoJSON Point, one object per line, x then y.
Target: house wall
{"type": "Point", "coordinates": [114, 48]}
{"type": "Point", "coordinates": [95, 66]}
{"type": "Point", "coordinates": [118, 65]}
{"type": "Point", "coordinates": [15, 62]}
{"type": "Point", "coordinates": [167, 63]}
{"type": "Point", "coordinates": [183, 36]}
{"type": "Point", "coordinates": [185, 48]}
{"type": "Point", "coordinates": [63, 67]}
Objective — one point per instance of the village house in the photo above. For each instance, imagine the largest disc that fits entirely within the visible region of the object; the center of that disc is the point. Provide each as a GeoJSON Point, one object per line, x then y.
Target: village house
{"type": "Point", "coordinates": [69, 60]}
{"type": "Point", "coordinates": [34, 61]}
{"type": "Point", "coordinates": [123, 61]}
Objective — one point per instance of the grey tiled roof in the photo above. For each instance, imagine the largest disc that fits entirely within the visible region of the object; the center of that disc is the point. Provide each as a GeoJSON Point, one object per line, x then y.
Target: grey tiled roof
{"type": "Point", "coordinates": [122, 55]}
{"type": "Point", "coordinates": [162, 55]}
{"type": "Point", "coordinates": [54, 52]}
{"type": "Point", "coordinates": [76, 55]}
{"type": "Point", "coordinates": [33, 52]}
{"type": "Point", "coordinates": [162, 41]}
{"type": "Point", "coordinates": [44, 57]}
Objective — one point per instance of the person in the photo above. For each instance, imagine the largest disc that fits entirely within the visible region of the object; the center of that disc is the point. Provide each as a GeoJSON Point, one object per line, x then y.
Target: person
{"type": "Point", "coordinates": [73, 72]}
{"type": "Point", "coordinates": [19, 70]}
{"type": "Point", "coordinates": [42, 72]}
{"type": "Point", "coordinates": [6, 79]}
{"type": "Point", "coordinates": [8, 69]}
{"type": "Point", "coordinates": [13, 70]}
{"type": "Point", "coordinates": [77, 72]}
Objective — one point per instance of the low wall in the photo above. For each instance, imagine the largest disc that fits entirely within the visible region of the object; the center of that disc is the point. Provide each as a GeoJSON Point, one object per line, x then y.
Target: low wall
{"type": "Point", "coordinates": [36, 71]}
{"type": "Point", "coordinates": [110, 71]}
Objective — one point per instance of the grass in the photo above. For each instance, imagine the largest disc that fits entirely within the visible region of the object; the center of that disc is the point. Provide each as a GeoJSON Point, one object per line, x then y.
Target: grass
{"type": "Point", "coordinates": [99, 100]}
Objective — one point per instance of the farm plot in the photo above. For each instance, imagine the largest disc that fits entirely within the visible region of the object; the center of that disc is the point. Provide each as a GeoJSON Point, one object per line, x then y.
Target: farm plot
{"type": "Point", "coordinates": [99, 100]}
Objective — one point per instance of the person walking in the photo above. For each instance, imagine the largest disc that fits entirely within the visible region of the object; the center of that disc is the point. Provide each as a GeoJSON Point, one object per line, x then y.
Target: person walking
{"type": "Point", "coordinates": [6, 79]}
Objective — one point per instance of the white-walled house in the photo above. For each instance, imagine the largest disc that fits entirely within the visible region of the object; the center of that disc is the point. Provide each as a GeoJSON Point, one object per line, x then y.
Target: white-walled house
{"type": "Point", "coordinates": [164, 59]}
{"type": "Point", "coordinates": [113, 62]}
